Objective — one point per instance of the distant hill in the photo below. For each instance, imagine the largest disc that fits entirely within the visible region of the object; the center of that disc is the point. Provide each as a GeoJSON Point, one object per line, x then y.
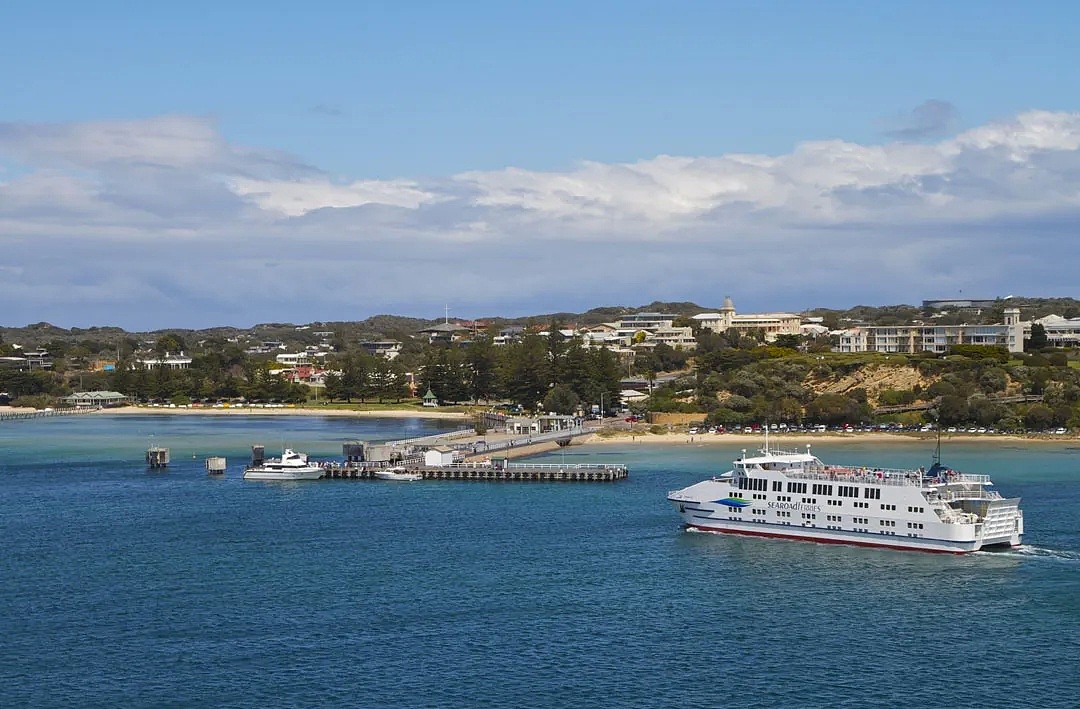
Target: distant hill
{"type": "Point", "coordinates": [108, 338]}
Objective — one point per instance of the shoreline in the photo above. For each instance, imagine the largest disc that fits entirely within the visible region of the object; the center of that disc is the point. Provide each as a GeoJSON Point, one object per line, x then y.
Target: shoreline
{"type": "Point", "coordinates": [284, 411]}
{"type": "Point", "coordinates": [789, 442]}
{"type": "Point", "coordinates": [753, 441]}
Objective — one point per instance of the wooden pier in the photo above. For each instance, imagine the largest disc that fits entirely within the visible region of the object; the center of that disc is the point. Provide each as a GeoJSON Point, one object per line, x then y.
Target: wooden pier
{"type": "Point", "coordinates": [513, 472]}
{"type": "Point", "coordinates": [43, 413]}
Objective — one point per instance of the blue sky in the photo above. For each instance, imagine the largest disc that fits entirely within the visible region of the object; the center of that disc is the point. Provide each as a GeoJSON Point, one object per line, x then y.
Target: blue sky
{"type": "Point", "coordinates": [496, 138]}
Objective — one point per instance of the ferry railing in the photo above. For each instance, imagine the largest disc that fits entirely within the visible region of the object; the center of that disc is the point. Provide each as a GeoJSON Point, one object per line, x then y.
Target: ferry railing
{"type": "Point", "coordinates": [872, 476]}
{"type": "Point", "coordinates": [980, 494]}
{"type": "Point", "coordinates": [878, 476]}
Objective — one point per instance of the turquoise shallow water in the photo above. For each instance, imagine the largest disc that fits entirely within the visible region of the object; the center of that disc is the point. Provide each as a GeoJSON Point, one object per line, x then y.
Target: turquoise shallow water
{"type": "Point", "coordinates": [121, 587]}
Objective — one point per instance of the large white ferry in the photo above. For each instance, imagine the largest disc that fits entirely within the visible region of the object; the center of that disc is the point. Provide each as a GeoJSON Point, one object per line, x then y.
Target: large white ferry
{"type": "Point", "coordinates": [290, 466]}
{"type": "Point", "coordinates": [793, 495]}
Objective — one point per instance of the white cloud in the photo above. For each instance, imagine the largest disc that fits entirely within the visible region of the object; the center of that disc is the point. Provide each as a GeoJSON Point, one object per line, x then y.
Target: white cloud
{"type": "Point", "coordinates": [296, 198]}
{"type": "Point", "coordinates": [179, 210]}
{"type": "Point", "coordinates": [174, 141]}
{"type": "Point", "coordinates": [1028, 132]}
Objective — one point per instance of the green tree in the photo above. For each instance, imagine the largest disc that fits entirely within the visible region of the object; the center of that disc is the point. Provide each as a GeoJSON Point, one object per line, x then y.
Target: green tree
{"type": "Point", "coordinates": [356, 375]}
{"type": "Point", "coordinates": [953, 409]}
{"type": "Point", "coordinates": [791, 342]}
{"type": "Point", "coordinates": [606, 375]}
{"type": "Point", "coordinates": [333, 387]}
{"type": "Point", "coordinates": [524, 371]}
{"type": "Point", "coordinates": [1038, 339]}
{"type": "Point", "coordinates": [983, 411]}
{"type": "Point", "coordinates": [1038, 417]}
{"type": "Point", "coordinates": [561, 399]}
{"type": "Point", "coordinates": [169, 342]}
{"type": "Point", "coordinates": [993, 380]}
{"type": "Point", "coordinates": [481, 362]}
{"type": "Point", "coordinates": [575, 372]}
{"type": "Point", "coordinates": [836, 409]}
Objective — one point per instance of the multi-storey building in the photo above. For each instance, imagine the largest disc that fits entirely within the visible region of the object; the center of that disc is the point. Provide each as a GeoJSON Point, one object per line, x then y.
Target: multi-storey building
{"type": "Point", "coordinates": [771, 324]}
{"type": "Point", "coordinates": [651, 329]}
{"type": "Point", "coordinates": [1060, 332]}
{"type": "Point", "coordinates": [919, 337]}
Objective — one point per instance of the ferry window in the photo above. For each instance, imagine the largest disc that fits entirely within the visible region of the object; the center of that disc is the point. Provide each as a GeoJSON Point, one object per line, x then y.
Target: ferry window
{"type": "Point", "coordinates": [777, 486]}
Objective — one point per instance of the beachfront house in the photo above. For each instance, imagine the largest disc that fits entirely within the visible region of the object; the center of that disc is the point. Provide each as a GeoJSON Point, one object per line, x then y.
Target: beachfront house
{"type": "Point", "coordinates": [91, 399]}
{"type": "Point", "coordinates": [387, 349]}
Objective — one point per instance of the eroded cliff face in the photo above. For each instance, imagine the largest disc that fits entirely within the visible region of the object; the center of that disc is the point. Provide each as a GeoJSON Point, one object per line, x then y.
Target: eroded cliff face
{"type": "Point", "coordinates": [874, 378]}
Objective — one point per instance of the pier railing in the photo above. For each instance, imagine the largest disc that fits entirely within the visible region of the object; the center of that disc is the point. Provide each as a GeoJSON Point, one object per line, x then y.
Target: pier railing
{"type": "Point", "coordinates": [434, 438]}
{"type": "Point", "coordinates": [536, 466]}
{"type": "Point", "coordinates": [63, 411]}
{"type": "Point", "coordinates": [533, 438]}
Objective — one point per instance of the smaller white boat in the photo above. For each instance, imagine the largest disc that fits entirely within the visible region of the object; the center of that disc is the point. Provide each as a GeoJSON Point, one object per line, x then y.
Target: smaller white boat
{"type": "Point", "coordinates": [290, 466]}
{"type": "Point", "coordinates": [398, 474]}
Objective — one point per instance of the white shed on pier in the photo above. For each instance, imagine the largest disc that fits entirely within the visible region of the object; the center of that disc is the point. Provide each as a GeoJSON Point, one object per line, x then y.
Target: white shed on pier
{"type": "Point", "coordinates": [438, 457]}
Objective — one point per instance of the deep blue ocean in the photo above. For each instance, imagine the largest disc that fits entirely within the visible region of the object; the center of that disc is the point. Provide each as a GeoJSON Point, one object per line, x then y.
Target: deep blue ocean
{"type": "Point", "coordinates": [121, 587]}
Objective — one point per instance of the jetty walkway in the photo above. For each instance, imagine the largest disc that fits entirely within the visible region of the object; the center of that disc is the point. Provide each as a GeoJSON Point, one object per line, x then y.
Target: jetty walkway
{"type": "Point", "coordinates": [478, 447]}
{"type": "Point", "coordinates": [46, 413]}
{"type": "Point", "coordinates": [487, 472]}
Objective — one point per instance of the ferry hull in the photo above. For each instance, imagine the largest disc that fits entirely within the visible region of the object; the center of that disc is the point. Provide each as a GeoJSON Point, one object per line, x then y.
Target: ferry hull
{"type": "Point", "coordinates": [314, 474]}
{"type": "Point", "coordinates": [795, 534]}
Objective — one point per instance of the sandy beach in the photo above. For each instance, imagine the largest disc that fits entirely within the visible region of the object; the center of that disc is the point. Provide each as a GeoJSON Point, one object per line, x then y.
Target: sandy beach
{"type": "Point", "coordinates": [620, 437]}
{"type": "Point", "coordinates": [792, 442]}
{"type": "Point", "coordinates": [285, 411]}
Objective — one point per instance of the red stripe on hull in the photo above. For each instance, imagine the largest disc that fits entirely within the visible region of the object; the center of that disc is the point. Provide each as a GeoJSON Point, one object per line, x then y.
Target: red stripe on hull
{"type": "Point", "coordinates": [821, 540]}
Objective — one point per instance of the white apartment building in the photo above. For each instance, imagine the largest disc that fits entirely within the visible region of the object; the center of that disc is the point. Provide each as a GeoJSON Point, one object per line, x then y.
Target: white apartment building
{"type": "Point", "coordinates": [908, 339]}
{"type": "Point", "coordinates": [649, 330]}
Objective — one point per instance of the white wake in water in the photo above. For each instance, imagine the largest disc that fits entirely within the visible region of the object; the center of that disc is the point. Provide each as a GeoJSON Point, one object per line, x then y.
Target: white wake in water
{"type": "Point", "coordinates": [1040, 552]}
